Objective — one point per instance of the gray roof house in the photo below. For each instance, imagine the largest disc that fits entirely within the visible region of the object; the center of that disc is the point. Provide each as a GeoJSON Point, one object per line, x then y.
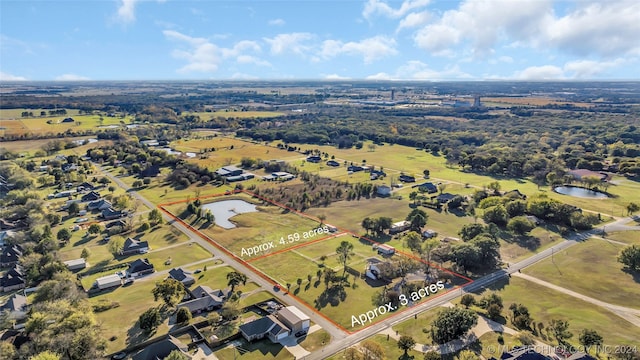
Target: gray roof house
{"type": "Point", "coordinates": [133, 246]}
{"type": "Point", "coordinates": [182, 275]}
{"type": "Point", "coordinates": [161, 349]}
{"type": "Point", "coordinates": [268, 326]}
{"type": "Point", "coordinates": [12, 279]}
{"type": "Point", "coordinates": [140, 267]}
{"type": "Point", "coordinates": [204, 299]}
{"type": "Point", "coordinates": [10, 255]}
{"type": "Point", "coordinates": [16, 306]}
{"type": "Point", "coordinates": [101, 204]}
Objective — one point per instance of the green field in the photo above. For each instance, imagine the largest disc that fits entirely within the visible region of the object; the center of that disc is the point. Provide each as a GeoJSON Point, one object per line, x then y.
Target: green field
{"type": "Point", "coordinates": [629, 237]}
{"type": "Point", "coordinates": [545, 304]}
{"type": "Point", "coordinates": [263, 349]}
{"type": "Point", "coordinates": [419, 328]}
{"type": "Point", "coordinates": [591, 269]}
{"type": "Point", "coordinates": [121, 322]}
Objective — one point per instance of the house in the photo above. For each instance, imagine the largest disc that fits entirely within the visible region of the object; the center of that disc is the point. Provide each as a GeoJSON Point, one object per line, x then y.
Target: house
{"type": "Point", "coordinates": [140, 267]}
{"type": "Point", "coordinates": [12, 279]}
{"type": "Point", "coordinates": [279, 175]}
{"type": "Point", "coordinates": [203, 299]}
{"type": "Point", "coordinates": [384, 249]}
{"type": "Point", "coordinates": [90, 196]}
{"type": "Point", "coordinates": [355, 168]}
{"type": "Point", "coordinates": [578, 174]}
{"type": "Point", "coordinates": [378, 173]}
{"type": "Point", "coordinates": [76, 264]}
{"type": "Point", "coordinates": [428, 234]}
{"type": "Point", "coordinates": [65, 193]}
{"type": "Point", "coordinates": [69, 167]}
{"type": "Point", "coordinates": [108, 281]}
{"type": "Point", "coordinates": [10, 255]}
{"type": "Point", "coordinates": [150, 142]}
{"type": "Point", "coordinates": [333, 163]}
{"type": "Point", "coordinates": [182, 275]}
{"type": "Point", "coordinates": [515, 194]}
{"type": "Point", "coordinates": [67, 120]}
{"type": "Point", "coordinates": [85, 186]}
{"type": "Point", "coordinates": [294, 319]}
{"type": "Point", "coordinates": [445, 197]}
{"type": "Point", "coordinates": [523, 353]}
{"type": "Point", "coordinates": [16, 307]}
{"type": "Point", "coordinates": [399, 226]}
{"type": "Point", "coordinates": [428, 187]}
{"type": "Point", "coordinates": [133, 246]}
{"type": "Point", "coordinates": [314, 159]}
{"type": "Point", "coordinates": [268, 326]}
{"type": "Point", "coordinates": [116, 223]}
{"type": "Point", "coordinates": [110, 214]}
{"type": "Point", "coordinates": [383, 190]}
{"type": "Point", "coordinates": [534, 219]}
{"type": "Point", "coordinates": [229, 171]}
{"type": "Point", "coordinates": [449, 239]}
{"type": "Point", "coordinates": [372, 271]}
{"type": "Point", "coordinates": [43, 168]}
{"type": "Point", "coordinates": [161, 349]}
{"type": "Point", "coordinates": [4, 236]}
{"type": "Point", "coordinates": [406, 178]}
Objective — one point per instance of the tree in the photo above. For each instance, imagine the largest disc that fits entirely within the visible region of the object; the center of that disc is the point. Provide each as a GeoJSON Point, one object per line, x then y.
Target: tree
{"type": "Point", "coordinates": [7, 351]}
{"type": "Point", "coordinates": [520, 316]}
{"type": "Point", "coordinates": [465, 255]}
{"type": "Point", "coordinates": [235, 278]}
{"type": "Point", "coordinates": [94, 229]}
{"type": "Point", "coordinates": [150, 319]}
{"type": "Point", "coordinates": [496, 214]}
{"type": "Point", "coordinates": [176, 355]}
{"type": "Point", "coordinates": [495, 187]}
{"type": "Point", "coordinates": [213, 318]}
{"type": "Point", "coordinates": [451, 323]}
{"type": "Point", "coordinates": [589, 337]}
{"type": "Point", "coordinates": [183, 315]}
{"type": "Point", "coordinates": [469, 231]}
{"type": "Point", "coordinates": [413, 241]}
{"type": "Point", "coordinates": [368, 224]}
{"type": "Point", "coordinates": [381, 224]}
{"type": "Point", "coordinates": [426, 173]}
{"type": "Point", "coordinates": [345, 252]}
{"type": "Point", "coordinates": [322, 218]}
{"type": "Point", "coordinates": [46, 355]}
{"type": "Point", "coordinates": [372, 350]}
{"type": "Point", "coordinates": [467, 355]}
{"type": "Point", "coordinates": [432, 355]}
{"type": "Point", "coordinates": [136, 184]}
{"type": "Point", "coordinates": [418, 218]}
{"type": "Point", "coordinates": [560, 330]}
{"type": "Point", "coordinates": [115, 245]}
{"type": "Point", "coordinates": [85, 253]}
{"type": "Point", "coordinates": [112, 189]}
{"type": "Point", "coordinates": [493, 311]}
{"type": "Point", "coordinates": [73, 209]}
{"type": "Point", "coordinates": [229, 310]}
{"type": "Point", "coordinates": [169, 290]}
{"type": "Point", "coordinates": [630, 257]}
{"type": "Point", "coordinates": [63, 235]}
{"type": "Point", "coordinates": [632, 207]}
{"type": "Point", "coordinates": [467, 300]}
{"type": "Point", "coordinates": [405, 343]}
{"type": "Point", "coordinates": [520, 225]}
{"type": "Point", "coordinates": [352, 354]}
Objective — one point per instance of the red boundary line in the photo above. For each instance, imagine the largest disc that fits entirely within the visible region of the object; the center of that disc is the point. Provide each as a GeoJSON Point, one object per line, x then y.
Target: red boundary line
{"type": "Point", "coordinates": [273, 282]}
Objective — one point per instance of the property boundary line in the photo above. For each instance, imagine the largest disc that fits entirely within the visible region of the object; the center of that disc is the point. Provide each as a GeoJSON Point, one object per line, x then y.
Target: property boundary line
{"type": "Point", "coordinates": [270, 280]}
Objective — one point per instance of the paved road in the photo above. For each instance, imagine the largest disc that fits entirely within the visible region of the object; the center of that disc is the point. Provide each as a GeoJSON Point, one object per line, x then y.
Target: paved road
{"type": "Point", "coordinates": [480, 283]}
{"type": "Point", "coordinates": [334, 331]}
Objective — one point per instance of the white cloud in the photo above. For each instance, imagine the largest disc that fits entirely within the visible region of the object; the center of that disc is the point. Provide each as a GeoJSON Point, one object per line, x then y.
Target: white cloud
{"type": "Point", "coordinates": [584, 69]}
{"type": "Point", "coordinates": [276, 22]}
{"type": "Point", "coordinates": [370, 49]}
{"type": "Point", "coordinates": [336, 77]}
{"type": "Point", "coordinates": [293, 42]}
{"type": "Point", "coordinates": [414, 20]}
{"type": "Point", "coordinates": [202, 55]}
{"type": "Point", "coordinates": [9, 77]}
{"type": "Point", "coordinates": [379, 7]}
{"type": "Point", "coordinates": [126, 11]}
{"type": "Point", "coordinates": [248, 59]}
{"type": "Point", "coordinates": [483, 23]}
{"type": "Point", "coordinates": [545, 72]}
{"type": "Point", "coordinates": [71, 77]}
{"type": "Point", "coordinates": [606, 29]}
{"type": "Point", "coordinates": [417, 70]}
{"type": "Point", "coordinates": [243, 76]}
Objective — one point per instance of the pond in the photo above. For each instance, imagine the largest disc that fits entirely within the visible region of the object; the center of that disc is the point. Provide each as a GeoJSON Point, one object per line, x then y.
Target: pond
{"type": "Point", "coordinates": [224, 210]}
{"type": "Point", "coordinates": [580, 192]}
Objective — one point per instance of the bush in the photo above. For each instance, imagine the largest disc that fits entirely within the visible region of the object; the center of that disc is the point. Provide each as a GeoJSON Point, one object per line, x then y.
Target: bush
{"type": "Point", "coordinates": [150, 319]}
{"type": "Point", "coordinates": [144, 226]}
{"type": "Point", "coordinates": [183, 315]}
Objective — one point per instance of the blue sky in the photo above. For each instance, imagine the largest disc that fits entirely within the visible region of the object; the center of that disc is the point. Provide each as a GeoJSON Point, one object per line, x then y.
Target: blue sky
{"type": "Point", "coordinates": [322, 39]}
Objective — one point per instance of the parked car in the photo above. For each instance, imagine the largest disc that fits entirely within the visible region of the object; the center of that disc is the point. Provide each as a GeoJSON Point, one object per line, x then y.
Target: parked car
{"type": "Point", "coordinates": [81, 220]}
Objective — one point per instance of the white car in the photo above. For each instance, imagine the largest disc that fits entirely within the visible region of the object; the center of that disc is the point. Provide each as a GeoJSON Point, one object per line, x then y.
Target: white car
{"type": "Point", "coordinates": [81, 220]}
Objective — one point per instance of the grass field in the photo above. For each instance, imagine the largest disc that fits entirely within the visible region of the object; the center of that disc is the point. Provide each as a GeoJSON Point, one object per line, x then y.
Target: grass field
{"type": "Point", "coordinates": [232, 113]}
{"type": "Point", "coordinates": [40, 126]}
{"type": "Point", "coordinates": [488, 344]}
{"type": "Point", "coordinates": [629, 237]}
{"type": "Point", "coordinates": [545, 304]}
{"type": "Point", "coordinates": [263, 349]}
{"type": "Point", "coordinates": [416, 327]}
{"type": "Point", "coordinates": [135, 299]}
{"type": "Point", "coordinates": [604, 280]}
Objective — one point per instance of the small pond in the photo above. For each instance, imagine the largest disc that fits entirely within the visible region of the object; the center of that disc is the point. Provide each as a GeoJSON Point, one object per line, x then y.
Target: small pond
{"type": "Point", "coordinates": [580, 192]}
{"type": "Point", "coordinates": [224, 210]}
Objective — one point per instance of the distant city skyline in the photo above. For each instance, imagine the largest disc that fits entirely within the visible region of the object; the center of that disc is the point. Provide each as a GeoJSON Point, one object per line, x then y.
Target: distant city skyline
{"type": "Point", "coordinates": [424, 40]}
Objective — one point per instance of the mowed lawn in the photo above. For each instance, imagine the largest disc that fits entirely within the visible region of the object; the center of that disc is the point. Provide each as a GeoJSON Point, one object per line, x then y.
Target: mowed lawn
{"type": "Point", "coordinates": [629, 237]}
{"type": "Point", "coordinates": [135, 299]}
{"type": "Point", "coordinates": [271, 224]}
{"type": "Point", "coordinates": [545, 304]}
{"type": "Point", "coordinates": [591, 269]}
{"type": "Point", "coordinates": [263, 349]}
{"type": "Point", "coordinates": [39, 125]}
{"type": "Point", "coordinates": [416, 327]}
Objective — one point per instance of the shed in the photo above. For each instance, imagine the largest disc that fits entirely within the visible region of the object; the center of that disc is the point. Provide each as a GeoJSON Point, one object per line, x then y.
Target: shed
{"type": "Point", "coordinates": [108, 281]}
{"type": "Point", "coordinates": [76, 264]}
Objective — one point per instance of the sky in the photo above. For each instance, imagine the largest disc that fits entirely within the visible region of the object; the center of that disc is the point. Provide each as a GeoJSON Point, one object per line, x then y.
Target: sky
{"type": "Point", "coordinates": [323, 39]}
